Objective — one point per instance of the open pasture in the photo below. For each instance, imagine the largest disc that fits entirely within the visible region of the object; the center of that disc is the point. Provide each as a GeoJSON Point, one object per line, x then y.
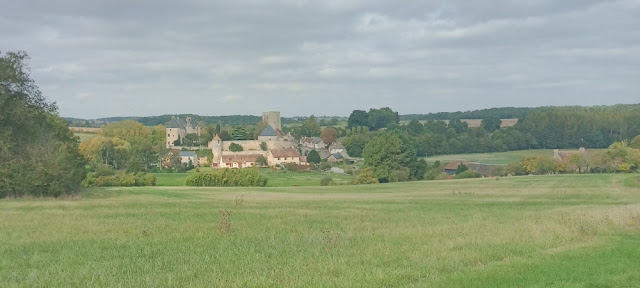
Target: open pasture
{"type": "Point", "coordinates": [538, 231]}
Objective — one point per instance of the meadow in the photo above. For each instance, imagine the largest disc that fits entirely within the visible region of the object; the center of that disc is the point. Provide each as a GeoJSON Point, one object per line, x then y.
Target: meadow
{"type": "Point", "coordinates": [531, 231]}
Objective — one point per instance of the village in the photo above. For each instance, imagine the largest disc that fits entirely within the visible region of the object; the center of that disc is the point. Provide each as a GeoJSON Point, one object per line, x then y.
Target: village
{"type": "Point", "coordinates": [272, 148]}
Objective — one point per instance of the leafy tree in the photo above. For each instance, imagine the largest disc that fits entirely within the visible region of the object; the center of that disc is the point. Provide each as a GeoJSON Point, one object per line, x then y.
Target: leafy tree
{"type": "Point", "coordinates": [355, 144]}
{"type": "Point", "coordinates": [458, 126]}
{"type": "Point", "coordinates": [178, 141]}
{"type": "Point", "coordinates": [234, 147]}
{"type": "Point", "coordinates": [39, 154]}
{"type": "Point", "coordinates": [635, 143]}
{"type": "Point", "coordinates": [313, 157]}
{"type": "Point", "coordinates": [388, 152]}
{"type": "Point", "coordinates": [382, 118]}
{"type": "Point", "coordinates": [263, 146]}
{"type": "Point", "coordinates": [329, 135]}
{"type": "Point", "coordinates": [225, 136]}
{"type": "Point", "coordinates": [415, 127]}
{"type": "Point", "coordinates": [310, 127]}
{"type": "Point", "coordinates": [358, 118]}
{"type": "Point", "coordinates": [262, 161]}
{"type": "Point", "coordinates": [190, 139]}
{"type": "Point", "coordinates": [491, 124]}
{"type": "Point", "coordinates": [128, 130]}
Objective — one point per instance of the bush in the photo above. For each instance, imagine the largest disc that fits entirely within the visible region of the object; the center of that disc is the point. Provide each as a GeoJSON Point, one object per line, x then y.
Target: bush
{"type": "Point", "coordinates": [326, 181]}
{"type": "Point", "coordinates": [235, 147]}
{"type": "Point", "coordinates": [228, 178]}
{"type": "Point", "coordinates": [324, 166]}
{"type": "Point", "coordinates": [263, 146]}
{"type": "Point", "coordinates": [119, 180]}
{"type": "Point", "coordinates": [433, 173]}
{"type": "Point", "coordinates": [399, 176]}
{"type": "Point", "coordinates": [291, 167]}
{"type": "Point", "coordinates": [366, 177]}
{"type": "Point", "coordinates": [468, 174]}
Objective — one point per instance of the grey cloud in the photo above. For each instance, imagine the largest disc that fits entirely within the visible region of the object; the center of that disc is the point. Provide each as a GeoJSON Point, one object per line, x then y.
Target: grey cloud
{"type": "Point", "coordinates": [108, 58]}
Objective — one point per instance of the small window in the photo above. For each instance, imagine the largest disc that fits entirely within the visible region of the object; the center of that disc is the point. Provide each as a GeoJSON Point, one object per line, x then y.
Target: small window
{"type": "Point", "coordinates": [168, 135]}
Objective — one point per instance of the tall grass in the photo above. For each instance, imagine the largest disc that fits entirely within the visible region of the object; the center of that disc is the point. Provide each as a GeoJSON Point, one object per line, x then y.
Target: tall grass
{"type": "Point", "coordinates": [538, 231]}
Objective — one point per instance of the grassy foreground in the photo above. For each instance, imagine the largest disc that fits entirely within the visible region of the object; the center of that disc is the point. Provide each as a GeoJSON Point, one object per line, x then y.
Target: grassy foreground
{"type": "Point", "coordinates": [539, 231]}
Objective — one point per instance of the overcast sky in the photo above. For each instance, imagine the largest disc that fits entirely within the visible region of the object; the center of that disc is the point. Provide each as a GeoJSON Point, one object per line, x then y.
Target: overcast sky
{"type": "Point", "coordinates": [141, 58]}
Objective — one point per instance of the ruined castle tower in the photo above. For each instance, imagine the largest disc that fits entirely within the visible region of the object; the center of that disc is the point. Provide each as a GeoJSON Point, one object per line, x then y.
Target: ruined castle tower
{"type": "Point", "coordinates": [216, 148]}
{"type": "Point", "coordinates": [272, 119]}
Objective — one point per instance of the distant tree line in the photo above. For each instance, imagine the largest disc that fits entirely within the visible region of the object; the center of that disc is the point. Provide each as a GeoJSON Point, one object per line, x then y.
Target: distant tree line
{"type": "Point", "coordinates": [542, 128]}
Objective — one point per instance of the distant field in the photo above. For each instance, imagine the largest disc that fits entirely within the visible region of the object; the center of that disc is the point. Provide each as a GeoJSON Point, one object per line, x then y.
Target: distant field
{"type": "Point", "coordinates": [84, 136]}
{"type": "Point", "coordinates": [276, 179]}
{"type": "Point", "coordinates": [537, 231]}
{"type": "Point", "coordinates": [493, 158]}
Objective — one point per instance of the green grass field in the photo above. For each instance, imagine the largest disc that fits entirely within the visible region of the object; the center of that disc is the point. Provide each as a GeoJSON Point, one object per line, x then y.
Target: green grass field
{"type": "Point", "coordinates": [276, 179]}
{"type": "Point", "coordinates": [84, 136]}
{"type": "Point", "coordinates": [537, 231]}
{"type": "Point", "coordinates": [495, 158]}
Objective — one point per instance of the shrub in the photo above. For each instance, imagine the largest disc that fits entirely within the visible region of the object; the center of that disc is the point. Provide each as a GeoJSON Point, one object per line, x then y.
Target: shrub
{"type": "Point", "coordinates": [234, 147]}
{"type": "Point", "coordinates": [263, 146]}
{"type": "Point", "coordinates": [324, 166]}
{"type": "Point", "coordinates": [433, 173]}
{"type": "Point", "coordinates": [399, 176]}
{"type": "Point", "coordinates": [326, 181]}
{"type": "Point", "coordinates": [365, 177]}
{"type": "Point", "coordinates": [119, 180]}
{"type": "Point", "coordinates": [468, 174]}
{"type": "Point", "coordinates": [228, 178]}
{"type": "Point", "coordinates": [461, 168]}
{"type": "Point", "coordinates": [291, 167]}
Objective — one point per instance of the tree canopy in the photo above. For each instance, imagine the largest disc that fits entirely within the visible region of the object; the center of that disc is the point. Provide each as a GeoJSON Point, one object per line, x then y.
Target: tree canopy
{"type": "Point", "coordinates": [39, 154]}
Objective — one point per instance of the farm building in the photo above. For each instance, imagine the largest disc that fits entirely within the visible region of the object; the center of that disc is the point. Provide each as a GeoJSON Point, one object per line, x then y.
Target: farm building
{"type": "Point", "coordinates": [336, 157]}
{"type": "Point", "coordinates": [451, 168]}
{"type": "Point", "coordinates": [239, 160]}
{"type": "Point", "coordinates": [277, 157]}
{"type": "Point", "coordinates": [188, 156]}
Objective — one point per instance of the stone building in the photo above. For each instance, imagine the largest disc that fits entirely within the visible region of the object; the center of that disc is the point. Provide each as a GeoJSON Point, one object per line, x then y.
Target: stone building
{"type": "Point", "coordinates": [272, 119]}
{"type": "Point", "coordinates": [178, 128]}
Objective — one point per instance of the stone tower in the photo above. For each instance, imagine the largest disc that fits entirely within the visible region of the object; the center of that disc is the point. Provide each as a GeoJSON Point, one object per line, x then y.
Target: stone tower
{"type": "Point", "coordinates": [272, 119]}
{"type": "Point", "coordinates": [216, 149]}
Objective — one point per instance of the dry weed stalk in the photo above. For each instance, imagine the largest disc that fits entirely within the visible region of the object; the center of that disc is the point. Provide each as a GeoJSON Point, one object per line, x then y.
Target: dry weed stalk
{"type": "Point", "coordinates": [224, 221]}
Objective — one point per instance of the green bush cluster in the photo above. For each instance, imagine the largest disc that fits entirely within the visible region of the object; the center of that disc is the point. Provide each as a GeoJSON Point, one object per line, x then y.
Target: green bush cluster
{"type": "Point", "coordinates": [120, 179]}
{"type": "Point", "coordinates": [468, 174]}
{"type": "Point", "coordinates": [326, 181]}
{"type": "Point", "coordinates": [228, 178]}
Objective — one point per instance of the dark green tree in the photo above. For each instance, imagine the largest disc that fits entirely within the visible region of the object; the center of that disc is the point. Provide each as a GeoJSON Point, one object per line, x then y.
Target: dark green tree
{"type": "Point", "coordinates": [358, 118]}
{"type": "Point", "coordinates": [313, 157]}
{"type": "Point", "coordinates": [491, 124]}
{"type": "Point", "coordinates": [382, 118]}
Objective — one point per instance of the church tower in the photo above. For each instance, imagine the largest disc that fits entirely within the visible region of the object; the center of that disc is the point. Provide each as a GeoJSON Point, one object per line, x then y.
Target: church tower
{"type": "Point", "coordinates": [272, 119]}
